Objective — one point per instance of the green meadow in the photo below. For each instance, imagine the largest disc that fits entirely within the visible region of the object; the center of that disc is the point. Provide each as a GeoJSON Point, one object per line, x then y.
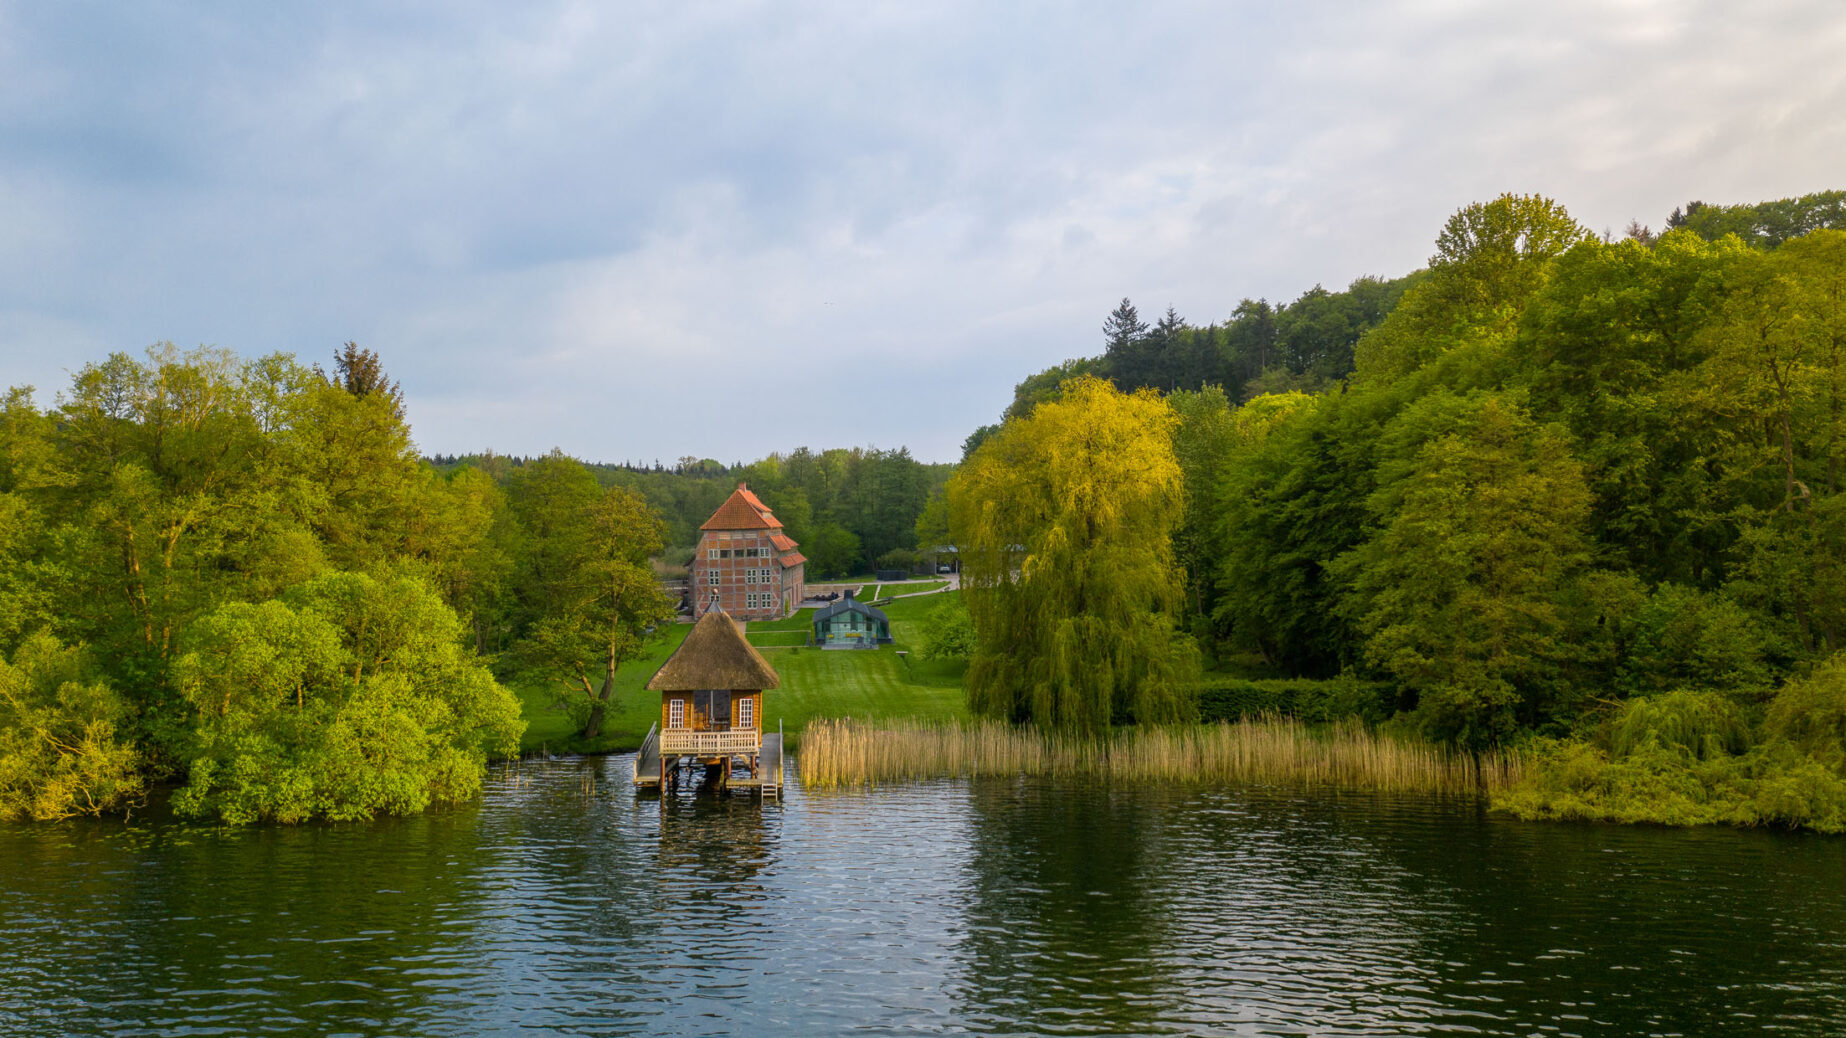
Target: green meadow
{"type": "Point", "coordinates": [861, 684]}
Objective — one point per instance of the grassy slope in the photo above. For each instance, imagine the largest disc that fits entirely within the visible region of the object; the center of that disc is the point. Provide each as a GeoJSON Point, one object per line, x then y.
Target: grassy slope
{"type": "Point", "coordinates": [861, 684]}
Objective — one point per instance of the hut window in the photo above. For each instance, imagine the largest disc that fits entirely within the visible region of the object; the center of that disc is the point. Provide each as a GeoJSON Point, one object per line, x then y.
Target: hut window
{"type": "Point", "coordinates": [676, 713]}
{"type": "Point", "coordinates": [746, 712]}
{"type": "Point", "coordinates": [715, 704]}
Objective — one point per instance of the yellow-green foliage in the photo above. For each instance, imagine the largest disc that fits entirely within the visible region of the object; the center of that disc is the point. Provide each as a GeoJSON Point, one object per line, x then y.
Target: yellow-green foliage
{"type": "Point", "coordinates": [1701, 724]}
{"type": "Point", "coordinates": [1345, 756]}
{"type": "Point", "coordinates": [350, 697]}
{"type": "Point", "coordinates": [60, 753]}
{"type": "Point", "coordinates": [1065, 519]}
{"type": "Point", "coordinates": [1810, 714]}
{"type": "Point", "coordinates": [1690, 758]}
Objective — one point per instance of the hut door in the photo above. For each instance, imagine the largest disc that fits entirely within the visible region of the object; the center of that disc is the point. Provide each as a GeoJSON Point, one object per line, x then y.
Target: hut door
{"type": "Point", "coordinates": [713, 706]}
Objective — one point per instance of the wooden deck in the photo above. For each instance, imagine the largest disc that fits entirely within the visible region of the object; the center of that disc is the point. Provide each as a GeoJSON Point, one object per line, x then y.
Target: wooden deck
{"type": "Point", "coordinates": [657, 752]}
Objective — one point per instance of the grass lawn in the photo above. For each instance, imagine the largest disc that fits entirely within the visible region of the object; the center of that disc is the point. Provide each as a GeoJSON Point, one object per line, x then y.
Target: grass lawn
{"type": "Point", "coordinates": [864, 684]}
{"type": "Point", "coordinates": [802, 620]}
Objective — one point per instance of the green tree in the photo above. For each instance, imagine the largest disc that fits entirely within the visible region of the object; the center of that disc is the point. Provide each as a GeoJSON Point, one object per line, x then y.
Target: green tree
{"type": "Point", "coordinates": [948, 631]}
{"type": "Point", "coordinates": [1458, 593]}
{"type": "Point", "coordinates": [1065, 519]}
{"type": "Point", "coordinates": [833, 551]}
{"type": "Point", "coordinates": [611, 606]}
{"type": "Point", "coordinates": [347, 698]}
{"type": "Point", "coordinates": [62, 751]}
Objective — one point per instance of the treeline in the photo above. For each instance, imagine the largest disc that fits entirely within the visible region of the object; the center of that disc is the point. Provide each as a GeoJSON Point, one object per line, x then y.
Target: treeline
{"type": "Point", "coordinates": [1764, 224]}
{"type": "Point", "coordinates": [852, 509]}
{"type": "Point", "coordinates": [1579, 495]}
{"type": "Point", "coordinates": [1263, 347]}
{"type": "Point", "coordinates": [237, 574]}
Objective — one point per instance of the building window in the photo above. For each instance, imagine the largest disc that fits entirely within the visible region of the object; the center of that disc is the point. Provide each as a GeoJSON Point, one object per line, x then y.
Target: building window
{"type": "Point", "coordinates": [711, 577]}
{"type": "Point", "coordinates": [711, 553]}
{"type": "Point", "coordinates": [746, 712]}
{"type": "Point", "coordinates": [676, 713]}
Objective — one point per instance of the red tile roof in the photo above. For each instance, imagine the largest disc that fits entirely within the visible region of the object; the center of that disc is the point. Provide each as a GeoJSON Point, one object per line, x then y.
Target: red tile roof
{"type": "Point", "coordinates": [742, 511]}
{"type": "Point", "coordinates": [783, 542]}
{"type": "Point", "coordinates": [794, 560]}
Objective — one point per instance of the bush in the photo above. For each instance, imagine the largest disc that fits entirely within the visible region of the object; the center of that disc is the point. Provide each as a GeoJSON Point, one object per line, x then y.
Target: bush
{"type": "Point", "coordinates": [1810, 713]}
{"type": "Point", "coordinates": [1687, 758]}
{"type": "Point", "coordinates": [59, 751]}
{"type": "Point", "coordinates": [1687, 638]}
{"type": "Point", "coordinates": [1702, 725]}
{"type": "Point", "coordinates": [948, 631]}
{"type": "Point", "coordinates": [1223, 698]}
{"type": "Point", "coordinates": [348, 698]}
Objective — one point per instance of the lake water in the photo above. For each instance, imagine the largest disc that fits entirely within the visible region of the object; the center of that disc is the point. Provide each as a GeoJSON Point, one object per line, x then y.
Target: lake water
{"type": "Point", "coordinates": [1007, 907]}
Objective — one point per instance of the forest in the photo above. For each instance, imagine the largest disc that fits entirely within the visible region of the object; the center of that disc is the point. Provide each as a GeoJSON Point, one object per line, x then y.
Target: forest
{"type": "Point", "coordinates": [1578, 495]}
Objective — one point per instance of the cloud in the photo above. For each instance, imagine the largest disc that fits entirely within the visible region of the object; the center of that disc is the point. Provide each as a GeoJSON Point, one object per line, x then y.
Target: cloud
{"type": "Point", "coordinates": [725, 229]}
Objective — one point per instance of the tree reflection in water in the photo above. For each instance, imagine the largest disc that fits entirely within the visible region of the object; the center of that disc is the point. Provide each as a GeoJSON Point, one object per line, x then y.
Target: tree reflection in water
{"type": "Point", "coordinates": [1063, 917]}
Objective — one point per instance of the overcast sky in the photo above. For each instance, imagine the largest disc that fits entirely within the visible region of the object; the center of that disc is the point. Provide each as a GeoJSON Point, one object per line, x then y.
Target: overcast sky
{"type": "Point", "coordinates": [639, 231]}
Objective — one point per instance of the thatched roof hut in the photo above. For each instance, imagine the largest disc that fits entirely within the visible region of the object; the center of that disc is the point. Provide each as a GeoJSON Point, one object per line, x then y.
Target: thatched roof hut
{"type": "Point", "coordinates": [715, 655]}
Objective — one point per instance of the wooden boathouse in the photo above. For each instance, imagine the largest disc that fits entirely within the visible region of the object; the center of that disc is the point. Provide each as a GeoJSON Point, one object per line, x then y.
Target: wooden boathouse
{"type": "Point", "coordinates": [711, 713]}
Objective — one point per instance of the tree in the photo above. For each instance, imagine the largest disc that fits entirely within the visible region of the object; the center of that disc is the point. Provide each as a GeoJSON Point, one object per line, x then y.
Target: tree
{"type": "Point", "coordinates": [360, 373]}
{"type": "Point", "coordinates": [1458, 594]}
{"type": "Point", "coordinates": [833, 551]}
{"type": "Point", "coordinates": [548, 499]}
{"type": "Point", "coordinates": [948, 631]}
{"type": "Point", "coordinates": [348, 697]}
{"type": "Point", "coordinates": [1122, 327]}
{"type": "Point", "coordinates": [62, 751]}
{"type": "Point", "coordinates": [1065, 519]}
{"type": "Point", "coordinates": [612, 604]}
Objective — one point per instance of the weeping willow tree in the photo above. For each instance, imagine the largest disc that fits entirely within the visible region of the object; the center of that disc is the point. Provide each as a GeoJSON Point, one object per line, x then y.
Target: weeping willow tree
{"type": "Point", "coordinates": [1065, 523]}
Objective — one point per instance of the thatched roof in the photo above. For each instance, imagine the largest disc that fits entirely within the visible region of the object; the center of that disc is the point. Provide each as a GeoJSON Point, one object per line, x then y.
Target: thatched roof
{"type": "Point", "coordinates": [714, 655]}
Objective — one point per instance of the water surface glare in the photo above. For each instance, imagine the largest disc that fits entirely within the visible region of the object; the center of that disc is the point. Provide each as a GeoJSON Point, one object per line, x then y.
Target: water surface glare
{"type": "Point", "coordinates": [1005, 907]}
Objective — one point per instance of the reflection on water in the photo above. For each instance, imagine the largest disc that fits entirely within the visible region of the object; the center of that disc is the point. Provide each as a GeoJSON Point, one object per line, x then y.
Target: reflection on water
{"type": "Point", "coordinates": [564, 903]}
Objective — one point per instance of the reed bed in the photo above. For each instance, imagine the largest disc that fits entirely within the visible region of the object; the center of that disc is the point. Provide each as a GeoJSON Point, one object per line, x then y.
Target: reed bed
{"type": "Point", "coordinates": [1275, 751]}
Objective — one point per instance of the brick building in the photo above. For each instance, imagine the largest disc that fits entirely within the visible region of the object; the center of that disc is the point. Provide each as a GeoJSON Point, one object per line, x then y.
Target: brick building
{"type": "Point", "coordinates": [745, 563]}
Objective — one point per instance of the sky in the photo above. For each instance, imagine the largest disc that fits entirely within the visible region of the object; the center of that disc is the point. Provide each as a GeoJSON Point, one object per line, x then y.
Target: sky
{"type": "Point", "coordinates": [642, 231]}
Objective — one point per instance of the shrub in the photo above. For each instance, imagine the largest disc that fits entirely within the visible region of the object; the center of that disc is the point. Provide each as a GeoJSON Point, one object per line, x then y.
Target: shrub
{"type": "Point", "coordinates": [1687, 638]}
{"type": "Point", "coordinates": [948, 631]}
{"type": "Point", "coordinates": [59, 751]}
{"type": "Point", "coordinates": [348, 698]}
{"type": "Point", "coordinates": [1810, 713]}
{"type": "Point", "coordinates": [1224, 698]}
{"type": "Point", "coordinates": [1703, 725]}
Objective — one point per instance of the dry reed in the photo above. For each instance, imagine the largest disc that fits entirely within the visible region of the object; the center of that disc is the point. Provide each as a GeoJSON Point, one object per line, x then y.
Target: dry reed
{"type": "Point", "coordinates": [1272, 751]}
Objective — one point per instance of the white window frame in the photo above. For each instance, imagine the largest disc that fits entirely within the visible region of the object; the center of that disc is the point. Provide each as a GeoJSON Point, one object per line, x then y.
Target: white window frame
{"type": "Point", "coordinates": [676, 713]}
{"type": "Point", "coordinates": [712, 578]}
{"type": "Point", "coordinates": [711, 554]}
{"type": "Point", "coordinates": [745, 708]}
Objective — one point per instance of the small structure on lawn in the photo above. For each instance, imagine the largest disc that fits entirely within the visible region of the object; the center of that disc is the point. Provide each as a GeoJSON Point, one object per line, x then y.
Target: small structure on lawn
{"type": "Point", "coordinates": [851, 624]}
{"type": "Point", "coordinates": [711, 712]}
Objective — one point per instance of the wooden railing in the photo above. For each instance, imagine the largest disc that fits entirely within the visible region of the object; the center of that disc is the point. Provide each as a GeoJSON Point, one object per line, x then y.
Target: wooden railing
{"type": "Point", "coordinates": [710, 744]}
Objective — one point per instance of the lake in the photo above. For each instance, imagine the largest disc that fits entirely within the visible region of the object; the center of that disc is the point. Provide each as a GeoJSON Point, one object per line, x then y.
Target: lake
{"type": "Point", "coordinates": [563, 903]}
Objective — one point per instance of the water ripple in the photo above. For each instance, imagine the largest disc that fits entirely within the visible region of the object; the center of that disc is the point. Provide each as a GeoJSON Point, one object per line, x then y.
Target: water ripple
{"type": "Point", "coordinates": [563, 903]}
